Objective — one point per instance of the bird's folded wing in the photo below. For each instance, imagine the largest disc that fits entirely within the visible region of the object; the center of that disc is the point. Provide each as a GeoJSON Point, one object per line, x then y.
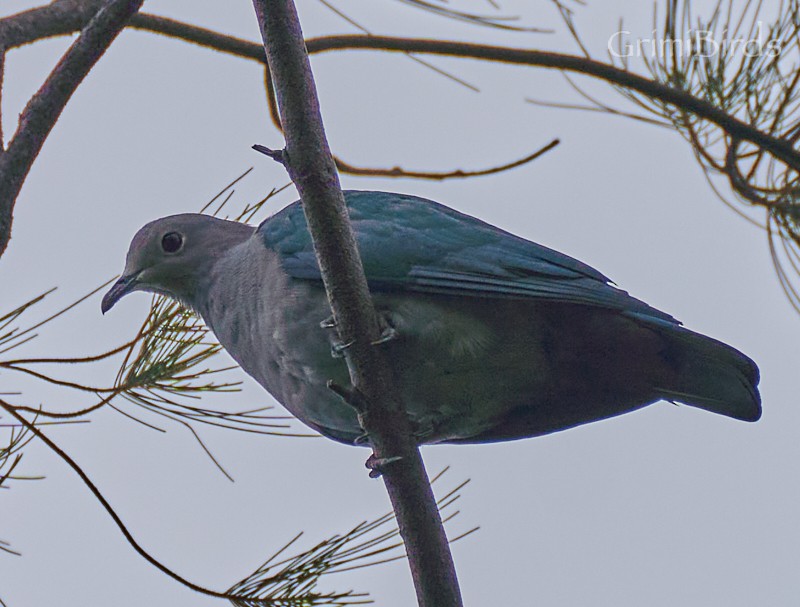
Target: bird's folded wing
{"type": "Point", "coordinates": [412, 244]}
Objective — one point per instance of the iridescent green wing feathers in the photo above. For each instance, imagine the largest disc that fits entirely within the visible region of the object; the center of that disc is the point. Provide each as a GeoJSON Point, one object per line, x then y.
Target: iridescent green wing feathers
{"type": "Point", "coordinates": [413, 244]}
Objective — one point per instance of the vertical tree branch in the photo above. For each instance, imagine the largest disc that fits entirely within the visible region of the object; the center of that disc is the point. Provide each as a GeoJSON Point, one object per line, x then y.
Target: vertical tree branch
{"type": "Point", "coordinates": [308, 160]}
{"type": "Point", "coordinates": [2, 82]}
{"type": "Point", "coordinates": [44, 108]}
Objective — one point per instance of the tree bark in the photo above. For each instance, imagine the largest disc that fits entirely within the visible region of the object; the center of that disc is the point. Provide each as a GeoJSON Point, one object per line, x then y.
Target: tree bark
{"type": "Point", "coordinates": [308, 160]}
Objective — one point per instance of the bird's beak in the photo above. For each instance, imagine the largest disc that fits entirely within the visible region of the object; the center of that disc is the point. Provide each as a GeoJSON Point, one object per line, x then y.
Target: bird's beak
{"type": "Point", "coordinates": [121, 288]}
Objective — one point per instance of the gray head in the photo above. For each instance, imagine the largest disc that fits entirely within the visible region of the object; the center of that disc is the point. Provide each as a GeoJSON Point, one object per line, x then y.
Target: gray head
{"type": "Point", "coordinates": [172, 255]}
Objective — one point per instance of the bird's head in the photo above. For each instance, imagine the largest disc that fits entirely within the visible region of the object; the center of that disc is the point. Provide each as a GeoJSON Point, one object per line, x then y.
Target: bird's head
{"type": "Point", "coordinates": [173, 255]}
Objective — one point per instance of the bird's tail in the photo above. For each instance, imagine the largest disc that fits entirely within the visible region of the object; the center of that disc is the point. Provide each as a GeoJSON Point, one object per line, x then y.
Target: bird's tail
{"type": "Point", "coordinates": [711, 375]}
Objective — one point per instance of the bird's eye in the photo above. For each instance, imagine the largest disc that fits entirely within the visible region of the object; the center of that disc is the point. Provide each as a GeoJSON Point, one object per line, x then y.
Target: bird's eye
{"type": "Point", "coordinates": [171, 242]}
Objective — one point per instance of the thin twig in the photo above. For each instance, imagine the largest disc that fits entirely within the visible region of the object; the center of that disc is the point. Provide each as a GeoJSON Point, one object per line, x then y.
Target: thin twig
{"type": "Point", "coordinates": [778, 147]}
{"type": "Point", "coordinates": [293, 584]}
{"type": "Point", "coordinates": [11, 410]}
{"type": "Point", "coordinates": [438, 176]}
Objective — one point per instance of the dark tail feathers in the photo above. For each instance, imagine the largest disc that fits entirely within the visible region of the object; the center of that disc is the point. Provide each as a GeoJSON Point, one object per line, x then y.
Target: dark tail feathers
{"type": "Point", "coordinates": [711, 375]}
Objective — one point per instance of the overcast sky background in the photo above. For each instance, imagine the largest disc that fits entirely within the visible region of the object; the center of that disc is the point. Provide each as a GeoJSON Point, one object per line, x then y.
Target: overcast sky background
{"type": "Point", "coordinates": [663, 507]}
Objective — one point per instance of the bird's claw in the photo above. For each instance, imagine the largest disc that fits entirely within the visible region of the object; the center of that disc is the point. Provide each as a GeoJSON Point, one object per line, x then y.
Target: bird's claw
{"type": "Point", "coordinates": [377, 465]}
{"type": "Point", "coordinates": [339, 349]}
{"type": "Point", "coordinates": [328, 323]}
{"type": "Point", "coordinates": [387, 335]}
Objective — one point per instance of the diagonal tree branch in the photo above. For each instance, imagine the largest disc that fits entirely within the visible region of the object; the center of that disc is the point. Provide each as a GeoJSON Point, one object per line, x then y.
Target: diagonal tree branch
{"type": "Point", "coordinates": [44, 108]}
{"type": "Point", "coordinates": [55, 19]}
{"type": "Point", "coordinates": [308, 160]}
{"type": "Point", "coordinates": [780, 148]}
{"type": "Point", "coordinates": [58, 18]}
{"type": "Point", "coordinates": [47, 23]}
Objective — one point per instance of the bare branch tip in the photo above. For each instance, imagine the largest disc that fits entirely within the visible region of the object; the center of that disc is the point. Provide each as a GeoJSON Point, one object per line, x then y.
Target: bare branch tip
{"type": "Point", "coordinates": [351, 396]}
{"type": "Point", "coordinates": [277, 155]}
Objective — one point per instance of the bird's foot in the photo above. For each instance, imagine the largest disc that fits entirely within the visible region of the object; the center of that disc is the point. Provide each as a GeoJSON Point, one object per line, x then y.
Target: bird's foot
{"type": "Point", "coordinates": [338, 349]}
{"type": "Point", "coordinates": [377, 465]}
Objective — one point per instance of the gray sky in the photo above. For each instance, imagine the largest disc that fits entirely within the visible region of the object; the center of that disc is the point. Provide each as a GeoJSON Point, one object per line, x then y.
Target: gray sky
{"type": "Point", "coordinates": [667, 506]}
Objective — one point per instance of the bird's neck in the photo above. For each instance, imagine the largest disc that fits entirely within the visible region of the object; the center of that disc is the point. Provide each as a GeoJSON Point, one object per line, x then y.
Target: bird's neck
{"type": "Point", "coordinates": [243, 291]}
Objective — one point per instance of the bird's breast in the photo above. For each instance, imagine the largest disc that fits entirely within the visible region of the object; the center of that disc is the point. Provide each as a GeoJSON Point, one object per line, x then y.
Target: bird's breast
{"type": "Point", "coordinates": [460, 364]}
{"type": "Point", "coordinates": [273, 332]}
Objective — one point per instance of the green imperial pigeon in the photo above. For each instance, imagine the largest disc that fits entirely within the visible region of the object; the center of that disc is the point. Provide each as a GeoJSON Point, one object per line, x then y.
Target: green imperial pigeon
{"type": "Point", "coordinates": [493, 337]}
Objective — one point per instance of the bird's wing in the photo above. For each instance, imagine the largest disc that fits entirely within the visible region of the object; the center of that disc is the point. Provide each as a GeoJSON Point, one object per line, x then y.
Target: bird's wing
{"type": "Point", "coordinates": [412, 244]}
